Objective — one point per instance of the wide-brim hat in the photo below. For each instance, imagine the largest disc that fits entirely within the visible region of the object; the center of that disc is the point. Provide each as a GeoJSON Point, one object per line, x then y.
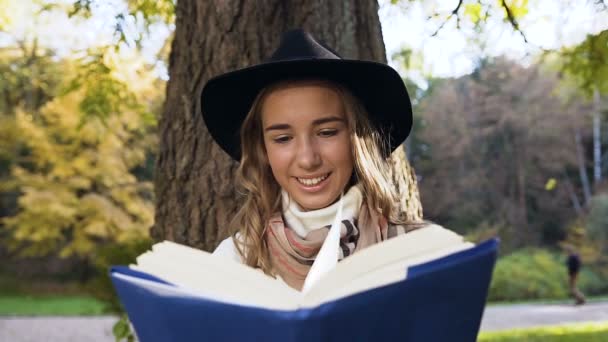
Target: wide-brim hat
{"type": "Point", "coordinates": [227, 98]}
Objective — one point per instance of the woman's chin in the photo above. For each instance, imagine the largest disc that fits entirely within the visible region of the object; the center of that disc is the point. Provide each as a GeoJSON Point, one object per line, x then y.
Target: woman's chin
{"type": "Point", "coordinates": [314, 202]}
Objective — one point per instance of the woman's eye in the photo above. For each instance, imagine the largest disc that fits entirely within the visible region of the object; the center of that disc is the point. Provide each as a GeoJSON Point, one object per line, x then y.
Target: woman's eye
{"type": "Point", "coordinates": [281, 139]}
{"type": "Point", "coordinates": [328, 132]}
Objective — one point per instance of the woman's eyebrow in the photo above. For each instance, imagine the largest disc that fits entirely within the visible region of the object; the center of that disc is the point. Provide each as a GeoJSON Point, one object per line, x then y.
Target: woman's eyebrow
{"type": "Point", "coordinates": [314, 123]}
{"type": "Point", "coordinates": [327, 119]}
{"type": "Point", "coordinates": [277, 127]}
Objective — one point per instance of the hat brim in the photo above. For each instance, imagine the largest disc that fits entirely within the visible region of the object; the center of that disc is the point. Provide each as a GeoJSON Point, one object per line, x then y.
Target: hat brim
{"type": "Point", "coordinates": [226, 99]}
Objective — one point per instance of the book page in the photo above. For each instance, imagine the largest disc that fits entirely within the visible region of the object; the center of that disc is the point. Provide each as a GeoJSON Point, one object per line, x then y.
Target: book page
{"type": "Point", "coordinates": [219, 279]}
{"type": "Point", "coordinates": [421, 245]}
{"type": "Point", "coordinates": [227, 281]}
{"type": "Point", "coordinates": [385, 275]}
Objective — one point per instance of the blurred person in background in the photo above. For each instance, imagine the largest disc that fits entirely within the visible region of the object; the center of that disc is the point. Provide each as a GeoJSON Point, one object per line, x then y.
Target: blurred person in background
{"type": "Point", "coordinates": [573, 262]}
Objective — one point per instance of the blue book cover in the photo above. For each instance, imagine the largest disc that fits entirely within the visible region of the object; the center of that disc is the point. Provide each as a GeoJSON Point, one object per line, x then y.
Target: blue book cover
{"type": "Point", "coordinates": [439, 300]}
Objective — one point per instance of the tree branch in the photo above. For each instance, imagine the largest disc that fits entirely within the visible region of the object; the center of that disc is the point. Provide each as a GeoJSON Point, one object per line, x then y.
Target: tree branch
{"type": "Point", "coordinates": [454, 12]}
{"type": "Point", "coordinates": [512, 20]}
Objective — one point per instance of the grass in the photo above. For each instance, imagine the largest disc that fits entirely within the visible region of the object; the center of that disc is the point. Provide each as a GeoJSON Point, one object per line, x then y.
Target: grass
{"type": "Point", "coordinates": [583, 332]}
{"type": "Point", "coordinates": [46, 297]}
{"type": "Point", "coordinates": [19, 305]}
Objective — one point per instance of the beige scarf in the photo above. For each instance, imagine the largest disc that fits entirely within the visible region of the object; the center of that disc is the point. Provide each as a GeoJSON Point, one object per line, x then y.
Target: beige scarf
{"type": "Point", "coordinates": [292, 255]}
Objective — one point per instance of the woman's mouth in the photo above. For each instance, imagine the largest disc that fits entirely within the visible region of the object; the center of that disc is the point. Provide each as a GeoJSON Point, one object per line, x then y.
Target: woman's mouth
{"type": "Point", "coordinates": [313, 182]}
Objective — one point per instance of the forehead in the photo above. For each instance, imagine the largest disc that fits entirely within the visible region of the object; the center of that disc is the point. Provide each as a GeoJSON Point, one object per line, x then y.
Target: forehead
{"type": "Point", "coordinates": [301, 101]}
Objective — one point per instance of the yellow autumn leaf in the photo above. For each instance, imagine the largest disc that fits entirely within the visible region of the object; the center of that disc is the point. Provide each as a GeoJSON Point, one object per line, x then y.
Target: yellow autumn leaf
{"type": "Point", "coordinates": [473, 11]}
{"type": "Point", "coordinates": [96, 228]}
{"type": "Point", "coordinates": [551, 184]}
{"type": "Point", "coordinates": [6, 7]}
{"type": "Point", "coordinates": [518, 8]}
{"type": "Point", "coordinates": [79, 183]}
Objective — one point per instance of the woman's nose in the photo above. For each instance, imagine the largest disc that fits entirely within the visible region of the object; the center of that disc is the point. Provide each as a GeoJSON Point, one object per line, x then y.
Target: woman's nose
{"type": "Point", "coordinates": [308, 156]}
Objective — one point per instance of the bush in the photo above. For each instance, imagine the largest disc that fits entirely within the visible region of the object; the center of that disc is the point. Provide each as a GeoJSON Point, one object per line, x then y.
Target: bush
{"type": "Point", "coordinates": [594, 279]}
{"type": "Point", "coordinates": [597, 222]}
{"type": "Point", "coordinates": [528, 274]}
{"type": "Point", "coordinates": [100, 285]}
{"type": "Point", "coordinates": [539, 274]}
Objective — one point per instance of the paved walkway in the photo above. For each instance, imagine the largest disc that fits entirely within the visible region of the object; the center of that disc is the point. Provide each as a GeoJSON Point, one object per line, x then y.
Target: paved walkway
{"type": "Point", "coordinates": [99, 329]}
{"type": "Point", "coordinates": [503, 317]}
{"type": "Point", "coordinates": [57, 329]}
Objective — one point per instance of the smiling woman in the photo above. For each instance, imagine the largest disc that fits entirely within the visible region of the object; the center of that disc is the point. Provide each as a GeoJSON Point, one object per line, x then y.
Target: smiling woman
{"type": "Point", "coordinates": [313, 133]}
{"type": "Point", "coordinates": [307, 142]}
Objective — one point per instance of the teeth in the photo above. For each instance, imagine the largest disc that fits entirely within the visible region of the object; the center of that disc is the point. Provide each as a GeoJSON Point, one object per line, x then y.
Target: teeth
{"type": "Point", "coordinates": [312, 181]}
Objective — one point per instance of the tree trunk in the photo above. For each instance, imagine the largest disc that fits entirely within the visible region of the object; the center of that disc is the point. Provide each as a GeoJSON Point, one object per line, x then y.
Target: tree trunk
{"type": "Point", "coordinates": [194, 178]}
{"type": "Point", "coordinates": [597, 141]}
{"type": "Point", "coordinates": [580, 156]}
{"type": "Point", "coordinates": [576, 204]}
{"type": "Point", "coordinates": [521, 191]}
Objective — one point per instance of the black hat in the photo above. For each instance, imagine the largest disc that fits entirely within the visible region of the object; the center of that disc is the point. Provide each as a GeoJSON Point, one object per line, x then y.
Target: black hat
{"type": "Point", "coordinates": [227, 98]}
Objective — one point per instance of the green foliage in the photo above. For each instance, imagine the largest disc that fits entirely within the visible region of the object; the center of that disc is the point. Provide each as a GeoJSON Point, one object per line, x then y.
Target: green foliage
{"type": "Point", "coordinates": [101, 286]}
{"type": "Point", "coordinates": [152, 10]}
{"type": "Point", "coordinates": [489, 142]}
{"type": "Point", "coordinates": [77, 189]}
{"type": "Point", "coordinates": [587, 63]}
{"type": "Point", "coordinates": [74, 161]}
{"type": "Point", "coordinates": [578, 239]}
{"type": "Point", "coordinates": [539, 274]}
{"type": "Point", "coordinates": [531, 274]}
{"type": "Point", "coordinates": [122, 330]}
{"type": "Point", "coordinates": [517, 8]}
{"type": "Point", "coordinates": [597, 221]}
{"type": "Point", "coordinates": [82, 7]}
{"type": "Point", "coordinates": [105, 257]}
{"type": "Point", "coordinates": [30, 78]}
{"type": "Point", "coordinates": [473, 12]}
{"type": "Point", "coordinates": [8, 147]}
{"type": "Point", "coordinates": [585, 332]}
{"type": "Point", "coordinates": [104, 94]}
{"type": "Point", "coordinates": [5, 9]}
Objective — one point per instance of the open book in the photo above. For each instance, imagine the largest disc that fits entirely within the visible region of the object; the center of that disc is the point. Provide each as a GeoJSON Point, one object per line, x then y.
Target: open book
{"type": "Point", "coordinates": [418, 286]}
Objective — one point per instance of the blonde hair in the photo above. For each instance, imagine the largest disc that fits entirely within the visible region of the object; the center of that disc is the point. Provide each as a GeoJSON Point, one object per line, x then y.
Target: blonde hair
{"type": "Point", "coordinates": [262, 192]}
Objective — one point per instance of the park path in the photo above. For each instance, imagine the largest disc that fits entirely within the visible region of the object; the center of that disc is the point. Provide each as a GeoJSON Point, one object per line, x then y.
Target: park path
{"type": "Point", "coordinates": [501, 317]}
{"type": "Point", "coordinates": [99, 329]}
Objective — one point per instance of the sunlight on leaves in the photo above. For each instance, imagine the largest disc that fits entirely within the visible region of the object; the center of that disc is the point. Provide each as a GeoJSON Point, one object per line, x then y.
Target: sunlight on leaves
{"type": "Point", "coordinates": [473, 12]}
{"type": "Point", "coordinates": [75, 166]}
{"type": "Point", "coordinates": [518, 8]}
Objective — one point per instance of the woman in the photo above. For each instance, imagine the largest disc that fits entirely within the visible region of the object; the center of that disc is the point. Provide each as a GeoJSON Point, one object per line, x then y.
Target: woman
{"type": "Point", "coordinates": [312, 133]}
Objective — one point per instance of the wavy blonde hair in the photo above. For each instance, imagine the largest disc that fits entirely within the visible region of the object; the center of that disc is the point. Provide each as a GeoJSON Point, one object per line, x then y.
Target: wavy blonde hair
{"type": "Point", "coordinates": [263, 194]}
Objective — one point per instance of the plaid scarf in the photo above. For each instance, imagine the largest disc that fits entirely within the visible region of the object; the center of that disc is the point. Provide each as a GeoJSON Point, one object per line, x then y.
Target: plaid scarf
{"type": "Point", "coordinates": [292, 255]}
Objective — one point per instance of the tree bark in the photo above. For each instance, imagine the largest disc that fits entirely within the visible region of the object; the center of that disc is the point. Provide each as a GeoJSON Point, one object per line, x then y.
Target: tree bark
{"type": "Point", "coordinates": [597, 141]}
{"type": "Point", "coordinates": [580, 156]}
{"type": "Point", "coordinates": [576, 204]}
{"type": "Point", "coordinates": [194, 184]}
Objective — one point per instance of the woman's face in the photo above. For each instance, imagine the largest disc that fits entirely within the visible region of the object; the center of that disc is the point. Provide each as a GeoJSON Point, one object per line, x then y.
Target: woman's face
{"type": "Point", "coordinates": [308, 142]}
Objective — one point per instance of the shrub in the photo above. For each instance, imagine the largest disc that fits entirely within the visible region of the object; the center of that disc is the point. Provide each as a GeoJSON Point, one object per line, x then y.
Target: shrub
{"type": "Point", "coordinates": [594, 279]}
{"type": "Point", "coordinates": [539, 274]}
{"type": "Point", "coordinates": [597, 222]}
{"type": "Point", "coordinates": [528, 274]}
{"type": "Point", "coordinates": [100, 285]}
